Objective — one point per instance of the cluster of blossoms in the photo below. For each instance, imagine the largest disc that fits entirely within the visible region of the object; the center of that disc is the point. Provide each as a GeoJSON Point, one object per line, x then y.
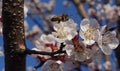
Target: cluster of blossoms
{"type": "Point", "coordinates": [43, 6]}
{"type": "Point", "coordinates": [104, 10]}
{"type": "Point", "coordinates": [82, 45]}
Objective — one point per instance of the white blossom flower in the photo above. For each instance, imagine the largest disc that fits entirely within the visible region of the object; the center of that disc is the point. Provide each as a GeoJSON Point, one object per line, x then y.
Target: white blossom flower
{"type": "Point", "coordinates": [95, 53]}
{"type": "Point", "coordinates": [92, 12]}
{"type": "Point", "coordinates": [1, 51]}
{"type": "Point", "coordinates": [69, 49]}
{"type": "Point", "coordinates": [82, 54]}
{"type": "Point", "coordinates": [89, 31]}
{"type": "Point", "coordinates": [48, 38]}
{"type": "Point", "coordinates": [81, 51]}
{"type": "Point", "coordinates": [94, 66]}
{"type": "Point", "coordinates": [52, 65]}
{"type": "Point", "coordinates": [66, 3]}
{"type": "Point", "coordinates": [45, 6]}
{"type": "Point", "coordinates": [108, 41]}
{"type": "Point", "coordinates": [29, 68]}
{"type": "Point", "coordinates": [100, 12]}
{"type": "Point", "coordinates": [110, 12]}
{"type": "Point", "coordinates": [108, 65]}
{"type": "Point", "coordinates": [91, 2]}
{"type": "Point", "coordinates": [43, 57]}
{"type": "Point", "coordinates": [65, 31]}
{"type": "Point", "coordinates": [71, 24]}
{"type": "Point", "coordinates": [26, 26]}
{"type": "Point", "coordinates": [35, 28]}
{"type": "Point", "coordinates": [25, 11]}
{"type": "Point", "coordinates": [45, 43]}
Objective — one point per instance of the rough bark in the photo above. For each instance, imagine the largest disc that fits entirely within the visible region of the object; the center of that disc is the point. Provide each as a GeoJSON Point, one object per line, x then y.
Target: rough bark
{"type": "Point", "coordinates": [13, 35]}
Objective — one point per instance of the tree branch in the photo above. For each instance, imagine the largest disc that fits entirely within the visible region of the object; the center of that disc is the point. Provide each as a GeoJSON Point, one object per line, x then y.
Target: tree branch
{"type": "Point", "coordinates": [39, 65]}
{"type": "Point", "coordinates": [80, 8]}
{"type": "Point", "coordinates": [28, 51]}
{"type": "Point", "coordinates": [43, 53]}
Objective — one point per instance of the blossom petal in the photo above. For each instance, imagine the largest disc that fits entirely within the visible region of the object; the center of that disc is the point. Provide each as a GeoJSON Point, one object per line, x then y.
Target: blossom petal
{"type": "Point", "coordinates": [72, 34]}
{"type": "Point", "coordinates": [69, 49]}
{"type": "Point", "coordinates": [64, 31]}
{"type": "Point", "coordinates": [71, 24]}
{"type": "Point", "coordinates": [103, 29]}
{"type": "Point", "coordinates": [110, 40]}
{"type": "Point", "coordinates": [25, 11]}
{"type": "Point", "coordinates": [84, 55]}
{"type": "Point", "coordinates": [85, 24]}
{"type": "Point", "coordinates": [56, 27]}
{"type": "Point", "coordinates": [96, 35]}
{"type": "Point", "coordinates": [106, 50]}
{"type": "Point", "coordinates": [81, 34]}
{"type": "Point", "coordinates": [114, 33]}
{"type": "Point", "coordinates": [94, 23]}
{"type": "Point", "coordinates": [88, 42]}
{"type": "Point", "coordinates": [114, 43]}
{"type": "Point", "coordinates": [48, 38]}
{"type": "Point", "coordinates": [52, 65]}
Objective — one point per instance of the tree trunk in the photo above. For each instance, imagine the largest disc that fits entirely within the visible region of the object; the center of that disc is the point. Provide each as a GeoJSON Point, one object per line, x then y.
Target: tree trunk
{"type": "Point", "coordinates": [117, 50]}
{"type": "Point", "coordinates": [13, 35]}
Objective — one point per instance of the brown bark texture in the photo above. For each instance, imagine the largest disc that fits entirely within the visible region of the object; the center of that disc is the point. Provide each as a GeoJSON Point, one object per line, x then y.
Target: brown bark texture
{"type": "Point", "coordinates": [13, 35]}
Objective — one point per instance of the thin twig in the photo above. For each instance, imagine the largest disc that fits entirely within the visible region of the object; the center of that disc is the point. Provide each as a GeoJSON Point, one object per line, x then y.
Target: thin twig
{"type": "Point", "coordinates": [43, 53]}
{"type": "Point", "coordinates": [39, 65]}
{"type": "Point", "coordinates": [28, 51]}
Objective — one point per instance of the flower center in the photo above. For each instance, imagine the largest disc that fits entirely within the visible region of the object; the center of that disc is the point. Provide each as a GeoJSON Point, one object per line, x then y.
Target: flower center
{"type": "Point", "coordinates": [89, 34]}
{"type": "Point", "coordinates": [61, 33]}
